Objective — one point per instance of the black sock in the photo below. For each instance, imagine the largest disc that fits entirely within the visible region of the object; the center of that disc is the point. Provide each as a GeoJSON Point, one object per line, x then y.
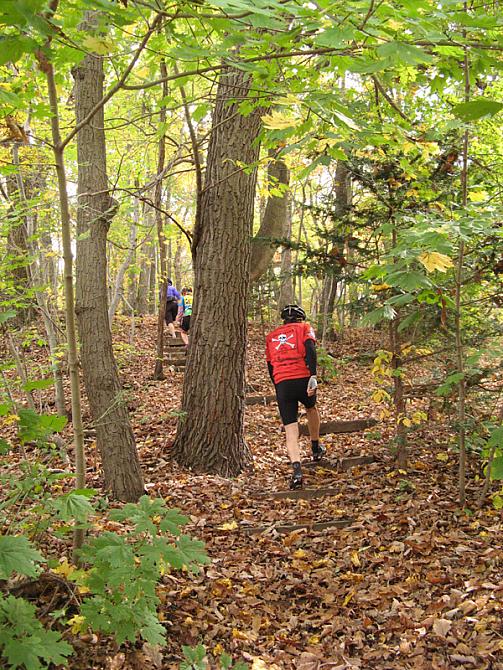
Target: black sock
{"type": "Point", "coordinates": [315, 444]}
{"type": "Point", "coordinates": [296, 467]}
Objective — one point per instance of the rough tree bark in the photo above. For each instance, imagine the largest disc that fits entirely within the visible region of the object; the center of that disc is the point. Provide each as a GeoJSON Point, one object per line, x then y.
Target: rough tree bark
{"type": "Point", "coordinates": [210, 434]}
{"type": "Point", "coordinates": [274, 221]}
{"type": "Point", "coordinates": [114, 436]}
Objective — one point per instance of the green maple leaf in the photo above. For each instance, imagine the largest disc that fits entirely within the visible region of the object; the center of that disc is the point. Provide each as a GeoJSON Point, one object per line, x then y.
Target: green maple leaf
{"type": "Point", "coordinates": [17, 555]}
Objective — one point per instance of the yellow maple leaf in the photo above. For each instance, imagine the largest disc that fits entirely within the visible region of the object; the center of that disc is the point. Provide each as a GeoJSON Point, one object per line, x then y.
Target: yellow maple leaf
{"type": "Point", "coordinates": [355, 559]}
{"type": "Point", "coordinates": [229, 525]}
{"type": "Point", "coordinates": [64, 569]}
{"type": "Point", "coordinates": [238, 634]}
{"type": "Point", "coordinates": [380, 287]}
{"type": "Point", "coordinates": [432, 260]}
{"type": "Point", "coordinates": [300, 553]}
{"type": "Point", "coordinates": [77, 623]}
{"type": "Point", "coordinates": [218, 650]}
{"type": "Point", "coordinates": [279, 121]}
{"type": "Point", "coordinates": [98, 45]}
{"type": "Point", "coordinates": [287, 100]}
{"type": "Point", "coordinates": [348, 598]}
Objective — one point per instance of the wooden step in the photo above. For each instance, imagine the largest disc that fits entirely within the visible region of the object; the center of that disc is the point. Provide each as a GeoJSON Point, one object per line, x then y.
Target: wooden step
{"type": "Point", "coordinates": [174, 342]}
{"type": "Point", "coordinates": [332, 427]}
{"type": "Point", "coordinates": [342, 465]}
{"type": "Point", "coordinates": [260, 399]}
{"type": "Point", "coordinates": [283, 529]}
{"type": "Point", "coordinates": [299, 494]}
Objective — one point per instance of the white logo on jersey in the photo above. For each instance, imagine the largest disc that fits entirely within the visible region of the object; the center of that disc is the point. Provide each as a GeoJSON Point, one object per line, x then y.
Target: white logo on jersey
{"type": "Point", "coordinates": [283, 339]}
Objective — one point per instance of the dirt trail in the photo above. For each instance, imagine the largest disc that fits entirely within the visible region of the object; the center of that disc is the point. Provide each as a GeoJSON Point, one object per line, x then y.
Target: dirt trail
{"type": "Point", "coordinates": [412, 583]}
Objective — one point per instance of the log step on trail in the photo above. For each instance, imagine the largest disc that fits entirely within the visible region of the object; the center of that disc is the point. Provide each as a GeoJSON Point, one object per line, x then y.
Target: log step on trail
{"type": "Point", "coordinates": [342, 465]}
{"type": "Point", "coordinates": [285, 529]}
{"type": "Point", "coordinates": [260, 399]}
{"type": "Point", "coordinates": [174, 343]}
{"type": "Point", "coordinates": [299, 494]}
{"type": "Point", "coordinates": [333, 427]}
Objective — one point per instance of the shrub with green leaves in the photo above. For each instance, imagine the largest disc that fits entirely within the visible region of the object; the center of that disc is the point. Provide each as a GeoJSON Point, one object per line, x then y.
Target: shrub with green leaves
{"type": "Point", "coordinates": [123, 571]}
{"type": "Point", "coordinates": [24, 642]}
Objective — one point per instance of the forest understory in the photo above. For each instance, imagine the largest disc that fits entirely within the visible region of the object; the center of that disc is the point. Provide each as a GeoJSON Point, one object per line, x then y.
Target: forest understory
{"type": "Point", "coordinates": [412, 582]}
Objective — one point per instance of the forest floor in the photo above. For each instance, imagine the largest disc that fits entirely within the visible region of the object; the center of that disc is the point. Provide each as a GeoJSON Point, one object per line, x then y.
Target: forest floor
{"type": "Point", "coordinates": [413, 582]}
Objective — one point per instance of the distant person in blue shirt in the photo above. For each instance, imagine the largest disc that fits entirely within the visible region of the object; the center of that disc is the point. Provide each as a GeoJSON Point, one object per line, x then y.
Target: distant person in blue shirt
{"type": "Point", "coordinates": [173, 303]}
{"type": "Point", "coordinates": [186, 313]}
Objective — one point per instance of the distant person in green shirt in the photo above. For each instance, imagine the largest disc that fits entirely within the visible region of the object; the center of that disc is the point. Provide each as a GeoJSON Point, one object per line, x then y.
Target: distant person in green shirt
{"type": "Point", "coordinates": [186, 313]}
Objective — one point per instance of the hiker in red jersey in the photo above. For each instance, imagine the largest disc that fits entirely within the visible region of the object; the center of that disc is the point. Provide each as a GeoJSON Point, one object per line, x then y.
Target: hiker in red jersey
{"type": "Point", "coordinates": [291, 359]}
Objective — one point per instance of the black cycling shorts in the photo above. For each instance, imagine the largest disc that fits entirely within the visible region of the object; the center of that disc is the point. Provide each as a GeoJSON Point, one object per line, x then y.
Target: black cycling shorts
{"type": "Point", "coordinates": [171, 311]}
{"type": "Point", "coordinates": [185, 325]}
{"type": "Point", "coordinates": [289, 393]}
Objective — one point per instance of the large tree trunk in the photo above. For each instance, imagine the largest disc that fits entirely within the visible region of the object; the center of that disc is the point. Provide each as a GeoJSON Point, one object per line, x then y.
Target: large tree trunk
{"type": "Point", "coordinates": [274, 221]}
{"type": "Point", "coordinates": [114, 436]}
{"type": "Point", "coordinates": [210, 435]}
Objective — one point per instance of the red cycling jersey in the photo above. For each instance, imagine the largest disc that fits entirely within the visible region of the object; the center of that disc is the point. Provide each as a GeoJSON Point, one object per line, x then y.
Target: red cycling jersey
{"type": "Point", "coordinates": [286, 351]}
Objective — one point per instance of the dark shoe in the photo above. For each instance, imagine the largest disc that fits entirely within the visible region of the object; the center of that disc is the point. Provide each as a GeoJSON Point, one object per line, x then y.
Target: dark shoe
{"type": "Point", "coordinates": [296, 480]}
{"type": "Point", "coordinates": [319, 453]}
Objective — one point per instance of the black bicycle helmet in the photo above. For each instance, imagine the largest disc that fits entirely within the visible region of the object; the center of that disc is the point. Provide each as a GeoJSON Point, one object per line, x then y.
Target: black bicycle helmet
{"type": "Point", "coordinates": [293, 313]}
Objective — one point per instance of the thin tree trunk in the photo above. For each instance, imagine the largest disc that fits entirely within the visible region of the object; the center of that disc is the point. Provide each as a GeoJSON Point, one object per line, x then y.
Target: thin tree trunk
{"type": "Point", "coordinates": [152, 279]}
{"type": "Point", "coordinates": [37, 280]}
{"type": "Point", "coordinates": [399, 401]}
{"type": "Point", "coordinates": [460, 357]}
{"type": "Point", "coordinates": [161, 239]}
{"type": "Point", "coordinates": [114, 436]}
{"type": "Point", "coordinates": [274, 221]}
{"type": "Point", "coordinates": [119, 280]}
{"type": "Point", "coordinates": [17, 245]}
{"type": "Point", "coordinates": [71, 331]}
{"type": "Point", "coordinates": [286, 292]}
{"type": "Point", "coordinates": [142, 296]}
{"type": "Point", "coordinates": [210, 434]}
{"type": "Point", "coordinates": [177, 264]}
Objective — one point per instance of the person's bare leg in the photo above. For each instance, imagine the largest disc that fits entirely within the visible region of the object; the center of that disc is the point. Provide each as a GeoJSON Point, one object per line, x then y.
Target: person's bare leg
{"type": "Point", "coordinates": [292, 442]}
{"type": "Point", "coordinates": [185, 337]}
{"type": "Point", "coordinates": [171, 330]}
{"type": "Point", "coordinates": [313, 422]}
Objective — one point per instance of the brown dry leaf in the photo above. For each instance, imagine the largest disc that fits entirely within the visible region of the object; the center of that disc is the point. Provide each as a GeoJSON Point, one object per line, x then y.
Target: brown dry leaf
{"type": "Point", "coordinates": [308, 661]}
{"type": "Point", "coordinates": [117, 662]}
{"type": "Point", "coordinates": [153, 654]}
{"type": "Point", "coordinates": [441, 627]}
